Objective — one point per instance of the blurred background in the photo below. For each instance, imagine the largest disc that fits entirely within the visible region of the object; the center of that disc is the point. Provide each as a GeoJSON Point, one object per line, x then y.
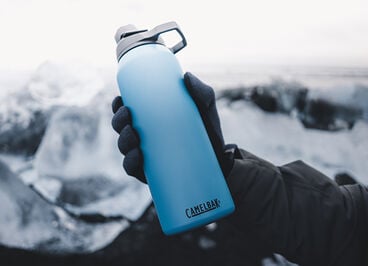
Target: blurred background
{"type": "Point", "coordinates": [291, 80]}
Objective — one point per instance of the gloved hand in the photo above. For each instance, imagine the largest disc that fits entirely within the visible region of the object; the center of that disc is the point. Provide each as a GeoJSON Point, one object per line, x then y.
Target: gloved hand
{"type": "Point", "coordinates": [204, 98]}
{"type": "Point", "coordinates": [293, 210]}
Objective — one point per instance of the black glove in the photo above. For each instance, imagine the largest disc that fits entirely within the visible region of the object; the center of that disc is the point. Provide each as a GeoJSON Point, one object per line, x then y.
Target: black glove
{"type": "Point", "coordinates": [204, 98]}
{"type": "Point", "coordinates": [293, 210]}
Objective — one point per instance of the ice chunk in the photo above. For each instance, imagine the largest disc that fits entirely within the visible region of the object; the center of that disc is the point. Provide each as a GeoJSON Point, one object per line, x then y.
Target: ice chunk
{"type": "Point", "coordinates": [206, 243]}
{"type": "Point", "coordinates": [79, 149]}
{"type": "Point", "coordinates": [27, 100]}
{"type": "Point", "coordinates": [277, 260]}
{"type": "Point", "coordinates": [24, 118]}
{"type": "Point", "coordinates": [29, 222]}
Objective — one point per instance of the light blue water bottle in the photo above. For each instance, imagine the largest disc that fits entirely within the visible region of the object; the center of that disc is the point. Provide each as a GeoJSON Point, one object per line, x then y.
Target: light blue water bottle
{"type": "Point", "coordinates": [182, 171]}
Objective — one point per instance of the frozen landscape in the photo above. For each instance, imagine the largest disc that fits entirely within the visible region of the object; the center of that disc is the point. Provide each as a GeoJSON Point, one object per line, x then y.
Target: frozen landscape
{"type": "Point", "coordinates": [63, 189]}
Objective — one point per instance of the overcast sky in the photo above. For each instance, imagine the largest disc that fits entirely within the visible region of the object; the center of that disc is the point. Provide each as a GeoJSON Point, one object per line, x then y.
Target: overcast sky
{"type": "Point", "coordinates": [322, 32]}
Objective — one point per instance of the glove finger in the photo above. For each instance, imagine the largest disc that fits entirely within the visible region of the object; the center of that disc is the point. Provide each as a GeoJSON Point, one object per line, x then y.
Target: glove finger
{"type": "Point", "coordinates": [202, 94]}
{"type": "Point", "coordinates": [133, 164]}
{"type": "Point", "coordinates": [116, 104]}
{"type": "Point", "coordinates": [128, 140]}
{"type": "Point", "coordinates": [121, 119]}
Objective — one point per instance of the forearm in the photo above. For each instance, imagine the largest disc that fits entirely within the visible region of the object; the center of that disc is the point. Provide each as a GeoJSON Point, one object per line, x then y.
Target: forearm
{"type": "Point", "coordinates": [262, 206]}
{"type": "Point", "coordinates": [293, 210]}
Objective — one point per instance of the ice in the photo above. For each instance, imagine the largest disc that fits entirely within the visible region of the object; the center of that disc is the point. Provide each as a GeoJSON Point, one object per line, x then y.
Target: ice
{"type": "Point", "coordinates": [50, 188]}
{"type": "Point", "coordinates": [29, 222]}
{"type": "Point", "coordinates": [130, 203]}
{"type": "Point", "coordinates": [73, 102]}
{"type": "Point", "coordinates": [20, 115]}
{"type": "Point", "coordinates": [17, 104]}
{"type": "Point", "coordinates": [65, 84]}
{"type": "Point", "coordinates": [12, 80]}
{"type": "Point", "coordinates": [18, 110]}
{"type": "Point", "coordinates": [28, 98]}
{"type": "Point", "coordinates": [206, 243]}
{"type": "Point", "coordinates": [282, 139]}
{"type": "Point", "coordinates": [16, 163]}
{"type": "Point", "coordinates": [79, 151]}
{"type": "Point", "coordinates": [277, 261]}
{"type": "Point", "coordinates": [78, 166]}
{"type": "Point", "coordinates": [355, 95]}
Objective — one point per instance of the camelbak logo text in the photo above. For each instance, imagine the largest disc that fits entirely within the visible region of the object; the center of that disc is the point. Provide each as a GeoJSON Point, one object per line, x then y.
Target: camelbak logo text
{"type": "Point", "coordinates": [202, 208]}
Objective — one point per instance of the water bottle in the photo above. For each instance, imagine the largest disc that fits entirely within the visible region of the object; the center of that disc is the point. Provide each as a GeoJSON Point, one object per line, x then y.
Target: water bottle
{"type": "Point", "coordinates": [185, 179]}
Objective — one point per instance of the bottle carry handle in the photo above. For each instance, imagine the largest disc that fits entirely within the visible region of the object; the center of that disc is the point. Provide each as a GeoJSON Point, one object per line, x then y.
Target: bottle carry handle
{"type": "Point", "coordinates": [166, 27]}
{"type": "Point", "coordinates": [128, 37]}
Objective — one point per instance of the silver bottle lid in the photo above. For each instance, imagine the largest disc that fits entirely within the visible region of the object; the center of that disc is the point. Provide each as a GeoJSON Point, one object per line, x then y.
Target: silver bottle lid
{"type": "Point", "coordinates": [127, 37]}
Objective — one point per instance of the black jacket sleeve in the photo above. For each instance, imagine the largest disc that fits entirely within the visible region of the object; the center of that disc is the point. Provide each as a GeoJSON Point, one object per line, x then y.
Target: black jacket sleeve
{"type": "Point", "coordinates": [298, 212]}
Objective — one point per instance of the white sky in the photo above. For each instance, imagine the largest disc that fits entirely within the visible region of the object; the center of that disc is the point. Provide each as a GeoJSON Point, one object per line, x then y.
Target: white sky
{"type": "Point", "coordinates": [321, 32]}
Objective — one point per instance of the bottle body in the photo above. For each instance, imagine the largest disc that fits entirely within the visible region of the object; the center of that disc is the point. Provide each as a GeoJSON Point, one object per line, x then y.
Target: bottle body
{"type": "Point", "coordinates": [182, 171]}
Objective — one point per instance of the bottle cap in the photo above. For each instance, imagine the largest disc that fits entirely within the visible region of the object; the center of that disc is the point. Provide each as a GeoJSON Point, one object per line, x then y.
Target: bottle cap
{"type": "Point", "coordinates": [126, 31]}
{"type": "Point", "coordinates": [128, 37]}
